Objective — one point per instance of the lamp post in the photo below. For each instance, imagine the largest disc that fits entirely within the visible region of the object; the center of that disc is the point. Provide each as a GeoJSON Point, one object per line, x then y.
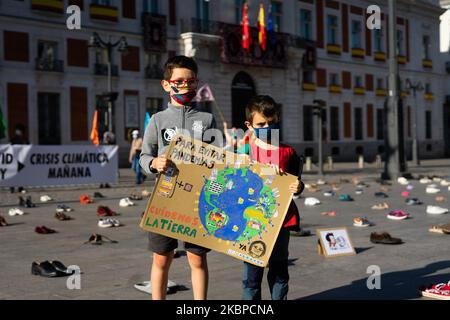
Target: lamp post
{"type": "Point", "coordinates": [97, 43]}
{"type": "Point", "coordinates": [318, 107]}
{"type": "Point", "coordinates": [415, 147]}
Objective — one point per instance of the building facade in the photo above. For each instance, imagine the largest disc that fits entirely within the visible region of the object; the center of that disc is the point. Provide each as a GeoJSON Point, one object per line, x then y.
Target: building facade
{"type": "Point", "coordinates": [51, 81]}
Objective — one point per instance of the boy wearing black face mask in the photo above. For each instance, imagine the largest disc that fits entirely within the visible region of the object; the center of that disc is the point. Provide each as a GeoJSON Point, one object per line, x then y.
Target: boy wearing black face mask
{"type": "Point", "coordinates": [180, 82]}
{"type": "Point", "coordinates": [263, 117]}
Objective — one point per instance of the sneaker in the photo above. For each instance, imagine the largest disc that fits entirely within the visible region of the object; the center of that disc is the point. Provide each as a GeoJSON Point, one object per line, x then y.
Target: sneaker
{"type": "Point", "coordinates": [329, 193]}
{"type": "Point", "coordinates": [103, 211]}
{"type": "Point", "coordinates": [126, 202]}
{"type": "Point", "coordinates": [62, 217]}
{"type": "Point", "coordinates": [29, 203]}
{"type": "Point", "coordinates": [310, 201]}
{"type": "Point", "coordinates": [359, 191]}
{"type": "Point", "coordinates": [439, 291]}
{"type": "Point", "coordinates": [345, 197]}
{"type": "Point", "coordinates": [398, 215]}
{"type": "Point", "coordinates": [321, 182]}
{"type": "Point", "coordinates": [63, 208]}
{"type": "Point", "coordinates": [15, 212]}
{"type": "Point", "coordinates": [85, 199]}
{"type": "Point", "coordinates": [115, 222]}
{"type": "Point", "coordinates": [412, 201]}
{"type": "Point", "coordinates": [445, 183]}
{"type": "Point", "coordinates": [440, 199]}
{"type": "Point", "coordinates": [436, 210]}
{"type": "Point", "coordinates": [409, 187]}
{"type": "Point", "coordinates": [441, 228]}
{"type": "Point", "coordinates": [425, 180]}
{"type": "Point", "coordinates": [45, 198]}
{"type": "Point", "coordinates": [361, 222]}
{"type": "Point", "coordinates": [403, 181]}
{"type": "Point", "coordinates": [437, 179]}
{"type": "Point", "coordinates": [405, 194]}
{"type": "Point", "coordinates": [146, 287]}
{"type": "Point", "coordinates": [105, 223]}
{"type": "Point", "coordinates": [98, 195]}
{"type": "Point", "coordinates": [381, 195]}
{"type": "Point", "coordinates": [329, 213]}
{"type": "Point", "coordinates": [380, 206]}
{"type": "Point", "coordinates": [432, 189]}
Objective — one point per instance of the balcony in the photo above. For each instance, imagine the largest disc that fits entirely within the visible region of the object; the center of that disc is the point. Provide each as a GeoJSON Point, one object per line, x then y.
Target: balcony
{"type": "Point", "coordinates": [381, 92]}
{"type": "Point", "coordinates": [309, 86]}
{"type": "Point", "coordinates": [334, 48]}
{"type": "Point", "coordinates": [51, 65]}
{"type": "Point", "coordinates": [427, 63]}
{"type": "Point", "coordinates": [101, 69]}
{"type": "Point", "coordinates": [56, 6]}
{"type": "Point", "coordinates": [358, 53]}
{"type": "Point", "coordinates": [335, 88]}
{"type": "Point", "coordinates": [359, 90]}
{"type": "Point", "coordinates": [154, 72]}
{"type": "Point", "coordinates": [380, 56]}
{"type": "Point", "coordinates": [103, 12]}
{"type": "Point", "coordinates": [401, 59]}
{"type": "Point", "coordinates": [447, 66]}
{"type": "Point", "coordinates": [428, 96]}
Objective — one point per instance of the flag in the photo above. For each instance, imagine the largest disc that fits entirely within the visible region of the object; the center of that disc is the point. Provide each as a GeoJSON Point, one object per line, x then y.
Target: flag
{"type": "Point", "coordinates": [94, 132]}
{"type": "Point", "coordinates": [270, 29]}
{"type": "Point", "coordinates": [2, 125]}
{"type": "Point", "coordinates": [245, 29]}
{"type": "Point", "coordinates": [147, 120]}
{"type": "Point", "coordinates": [204, 94]}
{"type": "Point", "coordinates": [262, 28]}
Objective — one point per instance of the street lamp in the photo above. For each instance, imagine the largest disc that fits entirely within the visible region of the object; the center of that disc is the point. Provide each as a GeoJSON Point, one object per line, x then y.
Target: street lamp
{"type": "Point", "coordinates": [318, 106]}
{"type": "Point", "coordinates": [415, 147]}
{"type": "Point", "coordinates": [122, 46]}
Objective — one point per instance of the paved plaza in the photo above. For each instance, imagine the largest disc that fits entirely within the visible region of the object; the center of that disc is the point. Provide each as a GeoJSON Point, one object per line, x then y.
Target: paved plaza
{"type": "Point", "coordinates": [109, 271]}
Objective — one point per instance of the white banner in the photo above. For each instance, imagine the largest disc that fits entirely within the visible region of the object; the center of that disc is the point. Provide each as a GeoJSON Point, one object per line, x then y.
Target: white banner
{"type": "Point", "coordinates": [35, 165]}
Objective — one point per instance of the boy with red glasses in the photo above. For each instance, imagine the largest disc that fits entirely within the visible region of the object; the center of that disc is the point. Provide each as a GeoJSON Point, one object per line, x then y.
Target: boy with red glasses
{"type": "Point", "coordinates": [180, 82]}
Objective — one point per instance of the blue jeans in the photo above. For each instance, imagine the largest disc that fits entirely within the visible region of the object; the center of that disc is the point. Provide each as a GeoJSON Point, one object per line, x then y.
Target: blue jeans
{"type": "Point", "coordinates": [137, 169]}
{"type": "Point", "coordinates": [277, 277]}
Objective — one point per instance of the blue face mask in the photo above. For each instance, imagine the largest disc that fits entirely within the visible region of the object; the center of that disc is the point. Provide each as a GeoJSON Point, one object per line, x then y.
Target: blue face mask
{"type": "Point", "coordinates": [265, 134]}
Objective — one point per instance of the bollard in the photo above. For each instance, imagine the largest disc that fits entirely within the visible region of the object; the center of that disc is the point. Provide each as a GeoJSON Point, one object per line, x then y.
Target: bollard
{"type": "Point", "coordinates": [308, 164]}
{"type": "Point", "coordinates": [361, 161]}
{"type": "Point", "coordinates": [378, 161]}
{"type": "Point", "coordinates": [330, 162]}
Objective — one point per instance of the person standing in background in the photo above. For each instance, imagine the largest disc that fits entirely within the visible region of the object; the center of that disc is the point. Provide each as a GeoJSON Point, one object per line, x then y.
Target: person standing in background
{"type": "Point", "coordinates": [135, 153]}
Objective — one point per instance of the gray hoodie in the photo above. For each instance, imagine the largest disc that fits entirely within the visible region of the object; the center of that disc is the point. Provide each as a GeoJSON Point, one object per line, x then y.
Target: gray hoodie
{"type": "Point", "coordinates": [165, 124]}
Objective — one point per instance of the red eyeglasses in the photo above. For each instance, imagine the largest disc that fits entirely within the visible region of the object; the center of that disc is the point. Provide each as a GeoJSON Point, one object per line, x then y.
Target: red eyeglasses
{"type": "Point", "coordinates": [186, 82]}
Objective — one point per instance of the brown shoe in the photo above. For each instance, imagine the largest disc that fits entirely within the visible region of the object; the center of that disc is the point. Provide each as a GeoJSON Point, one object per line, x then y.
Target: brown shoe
{"type": "Point", "coordinates": [384, 238]}
{"type": "Point", "coordinates": [3, 222]}
{"type": "Point", "coordinates": [61, 216]}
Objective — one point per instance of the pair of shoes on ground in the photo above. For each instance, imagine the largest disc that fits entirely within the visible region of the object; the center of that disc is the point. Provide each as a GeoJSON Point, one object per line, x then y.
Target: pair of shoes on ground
{"type": "Point", "coordinates": [3, 222]}
{"type": "Point", "coordinates": [432, 189]}
{"type": "Point", "coordinates": [413, 201]}
{"type": "Point", "coordinates": [439, 291]}
{"type": "Point", "coordinates": [146, 287]}
{"type": "Point", "coordinates": [380, 206]}
{"type": "Point", "coordinates": [436, 210]}
{"type": "Point", "coordinates": [135, 197]}
{"type": "Point", "coordinates": [15, 212]}
{"type": "Point", "coordinates": [61, 216]}
{"type": "Point", "coordinates": [27, 203]}
{"type": "Point", "coordinates": [98, 195]}
{"type": "Point", "coordinates": [50, 269]}
{"type": "Point", "coordinates": [98, 239]}
{"type": "Point", "coordinates": [381, 195]}
{"type": "Point", "coordinates": [103, 211]}
{"type": "Point", "coordinates": [440, 228]}
{"type": "Point", "coordinates": [345, 197]}
{"type": "Point", "coordinates": [44, 230]}
{"type": "Point", "coordinates": [126, 202]}
{"type": "Point", "coordinates": [46, 198]}
{"type": "Point", "coordinates": [108, 223]}
{"type": "Point", "coordinates": [384, 238]}
{"type": "Point", "coordinates": [85, 199]}
{"type": "Point", "coordinates": [361, 222]}
{"type": "Point", "coordinates": [398, 215]}
{"type": "Point", "coordinates": [63, 208]}
{"type": "Point", "coordinates": [105, 185]}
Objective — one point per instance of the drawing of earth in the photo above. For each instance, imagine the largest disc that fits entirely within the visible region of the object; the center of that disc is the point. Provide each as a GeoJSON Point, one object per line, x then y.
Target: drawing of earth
{"type": "Point", "coordinates": [235, 204]}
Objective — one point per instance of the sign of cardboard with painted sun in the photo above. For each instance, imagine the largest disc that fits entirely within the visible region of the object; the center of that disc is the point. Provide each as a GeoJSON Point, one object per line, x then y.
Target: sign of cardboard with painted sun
{"type": "Point", "coordinates": [219, 200]}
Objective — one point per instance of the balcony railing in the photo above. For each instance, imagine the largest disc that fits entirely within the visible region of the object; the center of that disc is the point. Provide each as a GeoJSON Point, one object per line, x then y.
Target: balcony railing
{"type": "Point", "coordinates": [45, 64]}
{"type": "Point", "coordinates": [101, 69]}
{"type": "Point", "coordinates": [154, 72]}
{"type": "Point", "coordinates": [201, 26]}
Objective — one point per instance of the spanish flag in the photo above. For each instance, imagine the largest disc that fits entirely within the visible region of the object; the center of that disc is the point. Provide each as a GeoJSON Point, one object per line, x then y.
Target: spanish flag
{"type": "Point", "coordinates": [94, 132]}
{"type": "Point", "coordinates": [262, 28]}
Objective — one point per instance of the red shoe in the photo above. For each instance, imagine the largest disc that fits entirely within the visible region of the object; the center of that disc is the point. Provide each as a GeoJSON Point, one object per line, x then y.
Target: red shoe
{"type": "Point", "coordinates": [44, 230]}
{"type": "Point", "coordinates": [85, 199]}
{"type": "Point", "coordinates": [103, 211]}
{"type": "Point", "coordinates": [439, 291]}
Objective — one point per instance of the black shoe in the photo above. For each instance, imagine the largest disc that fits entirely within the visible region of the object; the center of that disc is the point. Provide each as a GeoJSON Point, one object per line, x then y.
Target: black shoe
{"type": "Point", "coordinates": [101, 186]}
{"type": "Point", "coordinates": [44, 269]}
{"type": "Point", "coordinates": [98, 195]}
{"type": "Point", "coordinates": [12, 189]}
{"type": "Point", "coordinates": [22, 202]}
{"type": "Point", "coordinates": [29, 203]}
{"type": "Point", "coordinates": [301, 233]}
{"type": "Point", "coordinates": [107, 186]}
{"type": "Point", "coordinates": [61, 268]}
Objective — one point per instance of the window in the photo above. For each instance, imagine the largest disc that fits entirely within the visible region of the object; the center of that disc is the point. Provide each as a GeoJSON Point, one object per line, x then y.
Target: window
{"type": "Point", "coordinates": [358, 82]}
{"type": "Point", "coordinates": [334, 123]}
{"type": "Point", "coordinates": [378, 34]}
{"type": "Point", "coordinates": [103, 2]}
{"type": "Point", "coordinates": [332, 30]}
{"type": "Point", "coordinates": [428, 125]}
{"type": "Point", "coordinates": [238, 7]}
{"type": "Point", "coordinates": [356, 34]}
{"type": "Point", "coordinates": [428, 88]}
{"type": "Point", "coordinates": [308, 77]}
{"type": "Point", "coordinates": [334, 79]}
{"type": "Point", "coordinates": [306, 24]}
{"type": "Point", "coordinates": [426, 47]}
{"type": "Point", "coordinates": [47, 50]}
{"type": "Point", "coordinates": [203, 10]}
{"type": "Point", "coordinates": [380, 124]}
{"type": "Point", "coordinates": [276, 14]}
{"type": "Point", "coordinates": [308, 128]}
{"type": "Point", "coordinates": [151, 6]}
{"type": "Point", "coordinates": [153, 105]}
{"type": "Point", "coordinates": [358, 124]}
{"type": "Point", "coordinates": [380, 83]}
{"type": "Point", "coordinates": [400, 42]}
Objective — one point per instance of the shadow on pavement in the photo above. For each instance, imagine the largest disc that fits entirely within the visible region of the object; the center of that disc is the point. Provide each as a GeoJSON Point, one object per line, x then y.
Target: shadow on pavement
{"type": "Point", "coordinates": [399, 285]}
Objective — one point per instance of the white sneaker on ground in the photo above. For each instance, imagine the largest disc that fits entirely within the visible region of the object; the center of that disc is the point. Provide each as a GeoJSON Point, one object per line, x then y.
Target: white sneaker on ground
{"type": "Point", "coordinates": [115, 222]}
{"type": "Point", "coordinates": [445, 183]}
{"type": "Point", "coordinates": [126, 202]}
{"type": "Point", "coordinates": [436, 210]}
{"type": "Point", "coordinates": [46, 198]}
{"type": "Point", "coordinates": [15, 212]}
{"type": "Point", "coordinates": [432, 189]}
{"type": "Point", "coordinates": [310, 201]}
{"type": "Point", "coordinates": [105, 223]}
{"type": "Point", "coordinates": [403, 181]}
{"type": "Point", "coordinates": [425, 180]}
{"type": "Point", "coordinates": [146, 286]}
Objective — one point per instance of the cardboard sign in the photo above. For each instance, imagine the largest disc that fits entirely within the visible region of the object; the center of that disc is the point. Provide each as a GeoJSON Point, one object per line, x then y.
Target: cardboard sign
{"type": "Point", "coordinates": [219, 200]}
{"type": "Point", "coordinates": [334, 242]}
{"type": "Point", "coordinates": [38, 165]}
